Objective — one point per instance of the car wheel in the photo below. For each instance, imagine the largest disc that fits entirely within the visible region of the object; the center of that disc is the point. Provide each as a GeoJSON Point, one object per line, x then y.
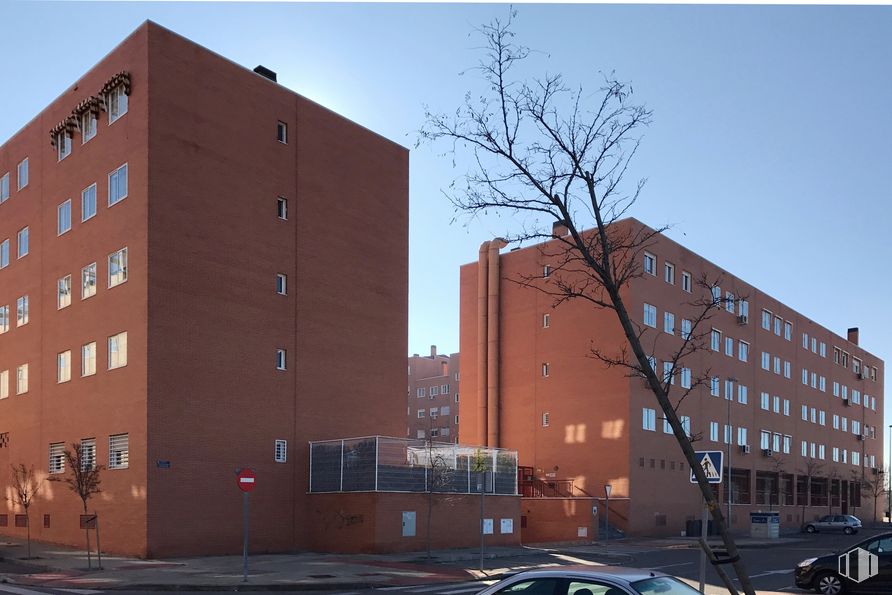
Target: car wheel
{"type": "Point", "coordinates": [829, 583]}
{"type": "Point", "coordinates": [810, 529]}
{"type": "Point", "coordinates": [848, 530]}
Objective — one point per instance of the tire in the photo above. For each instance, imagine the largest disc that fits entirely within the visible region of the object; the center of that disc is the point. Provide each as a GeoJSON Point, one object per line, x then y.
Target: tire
{"type": "Point", "coordinates": [829, 583]}
{"type": "Point", "coordinates": [810, 529]}
{"type": "Point", "coordinates": [848, 531]}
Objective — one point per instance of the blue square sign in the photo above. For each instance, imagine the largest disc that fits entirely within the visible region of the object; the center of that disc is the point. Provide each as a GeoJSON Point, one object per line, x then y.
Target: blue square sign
{"type": "Point", "coordinates": [711, 463]}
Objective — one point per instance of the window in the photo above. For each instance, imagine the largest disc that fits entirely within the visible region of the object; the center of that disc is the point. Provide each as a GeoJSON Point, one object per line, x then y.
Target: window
{"type": "Point", "coordinates": [685, 328]}
{"type": "Point", "coordinates": [282, 132]}
{"type": "Point", "coordinates": [814, 415]}
{"type": "Point", "coordinates": [715, 340]}
{"type": "Point", "coordinates": [650, 315]}
{"type": "Point", "coordinates": [282, 208]}
{"type": "Point", "coordinates": [649, 419]}
{"type": "Point", "coordinates": [88, 281]}
{"type": "Point", "coordinates": [4, 384]}
{"type": "Point", "coordinates": [856, 365]}
{"type": "Point", "coordinates": [845, 359]}
{"type": "Point", "coordinates": [4, 254]}
{"type": "Point", "coordinates": [118, 451]}
{"type": "Point", "coordinates": [766, 361]}
{"type": "Point", "coordinates": [545, 369]}
{"type": "Point", "coordinates": [717, 296]}
{"type": "Point", "coordinates": [420, 414]}
{"type": "Point", "coordinates": [814, 345]}
{"type": "Point", "coordinates": [813, 450]}
{"type": "Point", "coordinates": [787, 407]}
{"type": "Point", "coordinates": [856, 426]}
{"type": "Point", "coordinates": [788, 330]}
{"type": "Point", "coordinates": [765, 398]}
{"type": "Point", "coordinates": [22, 174]}
{"type": "Point", "coordinates": [822, 349]}
{"type": "Point", "coordinates": [741, 436]}
{"type": "Point", "coordinates": [729, 346]}
{"type": "Point", "coordinates": [545, 419]}
{"type": "Point", "coordinates": [777, 325]}
{"type": "Point", "coordinates": [728, 434]}
{"type": "Point", "coordinates": [686, 378]}
{"type": "Point", "coordinates": [686, 425]}
{"type": "Point", "coordinates": [88, 126]}
{"type": "Point", "coordinates": [686, 281]}
{"type": "Point", "coordinates": [845, 391]}
{"type": "Point", "coordinates": [281, 452]}
{"type": "Point", "coordinates": [4, 319]}
{"type": "Point", "coordinates": [546, 320]}
{"type": "Point", "coordinates": [729, 302]}
{"type": "Point", "coordinates": [764, 439]}
{"type": "Point", "coordinates": [669, 273]}
{"type": "Point", "coordinates": [835, 454]}
{"type": "Point", "coordinates": [714, 431]}
{"type": "Point", "coordinates": [63, 293]}
{"type": "Point", "coordinates": [822, 418]}
{"type": "Point", "coordinates": [668, 375]}
{"type": "Point", "coordinates": [281, 362]}
{"type": "Point", "coordinates": [88, 202]}
{"type": "Point", "coordinates": [714, 386]}
{"type": "Point", "coordinates": [88, 454]}
{"type": "Point", "coordinates": [57, 457]}
{"type": "Point", "coordinates": [729, 390]}
{"type": "Point", "coordinates": [22, 242]}
{"type": "Point", "coordinates": [444, 390]}
{"type": "Point", "coordinates": [844, 424]}
{"type": "Point", "coordinates": [281, 284]}
{"type": "Point", "coordinates": [775, 404]}
{"type": "Point", "coordinates": [777, 365]}
{"type": "Point", "coordinates": [804, 376]}
{"type": "Point", "coordinates": [667, 427]}
{"type": "Point", "coordinates": [743, 351]}
{"type": "Point", "coordinates": [456, 420]}
{"type": "Point", "coordinates": [805, 340]}
{"type": "Point", "coordinates": [420, 434]}
{"type": "Point", "coordinates": [776, 442]}
{"type": "Point", "coordinates": [116, 100]}
{"type": "Point", "coordinates": [787, 369]}
{"type": "Point", "coordinates": [652, 362]}
{"type": "Point", "coordinates": [63, 367]}
{"type": "Point", "coordinates": [856, 396]}
{"type": "Point", "coordinates": [742, 394]}
{"type": "Point", "coordinates": [117, 185]}
{"type": "Point", "coordinates": [805, 413]}
{"type": "Point", "coordinates": [822, 384]}
{"type": "Point", "coordinates": [21, 379]}
{"type": "Point", "coordinates": [804, 448]}
{"type": "Point", "coordinates": [4, 188]}
{"type": "Point", "coordinates": [650, 264]}
{"type": "Point", "coordinates": [21, 308]}
{"type": "Point", "coordinates": [117, 351]}
{"type": "Point", "coordinates": [88, 359]}
{"type": "Point", "coordinates": [433, 391]}
{"type": "Point", "coordinates": [669, 323]}
{"type": "Point", "coordinates": [744, 309]}
{"type": "Point", "coordinates": [117, 267]}
{"type": "Point", "coordinates": [836, 355]}
{"type": "Point", "coordinates": [814, 380]}
{"type": "Point", "coordinates": [766, 320]}
{"type": "Point", "coordinates": [835, 389]}
{"type": "Point", "coordinates": [546, 271]}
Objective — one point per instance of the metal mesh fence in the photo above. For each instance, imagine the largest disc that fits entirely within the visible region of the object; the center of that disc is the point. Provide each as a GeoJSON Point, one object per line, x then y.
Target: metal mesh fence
{"type": "Point", "coordinates": [382, 464]}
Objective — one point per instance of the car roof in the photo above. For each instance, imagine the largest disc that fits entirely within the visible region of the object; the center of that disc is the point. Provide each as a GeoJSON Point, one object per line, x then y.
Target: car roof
{"type": "Point", "coordinates": [622, 573]}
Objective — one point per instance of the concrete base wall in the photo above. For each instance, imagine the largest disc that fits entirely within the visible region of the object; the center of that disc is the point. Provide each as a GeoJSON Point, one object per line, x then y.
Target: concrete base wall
{"type": "Point", "coordinates": [372, 522]}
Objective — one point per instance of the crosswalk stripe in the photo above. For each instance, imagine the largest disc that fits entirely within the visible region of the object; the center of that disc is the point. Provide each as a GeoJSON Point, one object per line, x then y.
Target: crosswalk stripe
{"type": "Point", "coordinates": [81, 591]}
{"type": "Point", "coordinates": [395, 588]}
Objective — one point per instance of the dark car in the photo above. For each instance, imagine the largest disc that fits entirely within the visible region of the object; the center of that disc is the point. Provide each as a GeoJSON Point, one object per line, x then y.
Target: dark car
{"type": "Point", "coordinates": [590, 580]}
{"type": "Point", "coordinates": [865, 567]}
{"type": "Point", "coordinates": [846, 523]}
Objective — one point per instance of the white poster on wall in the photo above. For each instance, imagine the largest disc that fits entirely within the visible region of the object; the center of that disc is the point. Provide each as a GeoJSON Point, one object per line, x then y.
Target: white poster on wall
{"type": "Point", "coordinates": [507, 526]}
{"type": "Point", "coordinates": [582, 532]}
{"type": "Point", "coordinates": [487, 526]}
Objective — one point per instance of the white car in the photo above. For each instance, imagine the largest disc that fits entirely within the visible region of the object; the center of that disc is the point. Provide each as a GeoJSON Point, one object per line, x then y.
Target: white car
{"type": "Point", "coordinates": [590, 580]}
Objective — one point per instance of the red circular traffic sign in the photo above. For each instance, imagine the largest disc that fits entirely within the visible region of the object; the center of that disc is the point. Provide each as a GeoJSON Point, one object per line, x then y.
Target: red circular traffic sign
{"type": "Point", "coordinates": [246, 479]}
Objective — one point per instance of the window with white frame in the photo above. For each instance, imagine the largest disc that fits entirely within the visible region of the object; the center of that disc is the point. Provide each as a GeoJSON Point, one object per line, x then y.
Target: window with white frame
{"type": "Point", "coordinates": [856, 427]}
{"type": "Point", "coordinates": [766, 360]}
{"type": "Point", "coordinates": [805, 340]}
{"type": "Point", "coordinates": [669, 323]}
{"type": "Point", "coordinates": [281, 452]}
{"type": "Point", "coordinates": [717, 296]}
{"type": "Point", "coordinates": [117, 185]}
{"type": "Point", "coordinates": [119, 451]}
{"type": "Point", "coordinates": [814, 380]}
{"type": "Point", "coordinates": [729, 302]}
{"type": "Point", "coordinates": [686, 425]}
{"type": "Point", "coordinates": [4, 319]}
{"type": "Point", "coordinates": [668, 375]}
{"type": "Point", "coordinates": [744, 308]}
{"type": "Point", "coordinates": [729, 390]}
{"type": "Point", "coordinates": [433, 391]}
{"type": "Point", "coordinates": [776, 442]}
{"type": "Point", "coordinates": [822, 384]}
{"type": "Point", "coordinates": [420, 392]}
{"type": "Point", "coordinates": [546, 271]}
{"type": "Point", "coordinates": [650, 315]}
{"type": "Point", "coordinates": [117, 351]}
{"type": "Point", "coordinates": [546, 320]}
{"type": "Point", "coordinates": [845, 391]}
{"type": "Point", "coordinates": [21, 311]}
{"type": "Point", "coordinates": [4, 253]}
{"type": "Point", "coordinates": [714, 431]}
{"type": "Point", "coordinates": [652, 361]}
{"type": "Point", "coordinates": [742, 396]}
{"type": "Point", "coordinates": [729, 346]}
{"type": "Point", "coordinates": [844, 424]}
{"type": "Point", "coordinates": [63, 292]}
{"type": "Point", "coordinates": [88, 453]}
{"type": "Point", "coordinates": [775, 404]}
{"type": "Point", "coordinates": [787, 443]}
{"type": "Point", "coordinates": [22, 238]}
{"type": "Point", "coordinates": [444, 389]}
{"type": "Point", "coordinates": [787, 407]}
{"type": "Point", "coordinates": [686, 281]}
{"type": "Point", "coordinates": [766, 320]}
{"type": "Point", "coordinates": [281, 284]}
{"type": "Point", "coordinates": [686, 378]}
{"type": "Point", "coordinates": [814, 415]}
{"type": "Point", "coordinates": [88, 202]}
{"type": "Point", "coordinates": [805, 413]}
{"type": "Point", "coordinates": [743, 351]}
{"type": "Point", "coordinates": [117, 267]}
{"type": "Point", "coordinates": [282, 208]}
{"type": "Point", "coordinates": [804, 448]}
{"type": "Point", "coordinates": [814, 345]}
{"type": "Point", "coordinates": [63, 367]}
{"type": "Point", "coordinates": [669, 273]}
{"type": "Point", "coordinates": [22, 174]}
{"type": "Point", "coordinates": [88, 281]}
{"type": "Point", "coordinates": [4, 384]}
{"type": "Point", "coordinates": [856, 457]}
{"type": "Point", "coordinates": [116, 102]}
{"type": "Point", "coordinates": [88, 359]}
{"type": "Point", "coordinates": [778, 322]}
{"type": "Point", "coordinates": [667, 427]}
{"type": "Point", "coordinates": [650, 264]}
{"type": "Point", "coordinates": [4, 188]}
{"type": "Point", "coordinates": [63, 145]}
{"type": "Point", "coordinates": [741, 436]}
{"type": "Point", "coordinates": [844, 454]}
{"type": "Point", "coordinates": [804, 376]}
{"type": "Point", "coordinates": [545, 369]}
{"type": "Point", "coordinates": [788, 330]}
{"type": "Point", "coordinates": [57, 457]}
{"type": "Point", "coordinates": [822, 418]}
{"type": "Point", "coordinates": [649, 419]}
{"type": "Point", "coordinates": [715, 340]}
{"type": "Point", "coordinates": [764, 440]}
{"type": "Point", "coordinates": [282, 132]}
{"type": "Point", "coordinates": [88, 126]}
{"type": "Point", "coordinates": [834, 454]}
{"type": "Point", "coordinates": [822, 349]}
{"type": "Point", "coordinates": [281, 359]}
{"type": "Point", "coordinates": [434, 412]}
{"type": "Point", "coordinates": [420, 434]}
{"type": "Point", "coordinates": [714, 384]}
{"type": "Point", "coordinates": [777, 364]}
{"type": "Point", "coordinates": [814, 450]}
{"type": "Point", "coordinates": [685, 328]}
{"type": "Point", "coordinates": [765, 399]}
{"type": "Point", "coordinates": [21, 379]}
{"type": "Point", "coordinates": [787, 369]}
{"type": "Point", "coordinates": [546, 419]}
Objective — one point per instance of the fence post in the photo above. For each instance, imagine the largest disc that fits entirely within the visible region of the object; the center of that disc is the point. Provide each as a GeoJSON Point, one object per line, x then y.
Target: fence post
{"type": "Point", "coordinates": [342, 466]}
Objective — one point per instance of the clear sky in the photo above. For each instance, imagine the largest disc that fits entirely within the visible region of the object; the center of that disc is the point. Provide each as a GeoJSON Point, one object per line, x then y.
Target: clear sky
{"type": "Point", "coordinates": [770, 151]}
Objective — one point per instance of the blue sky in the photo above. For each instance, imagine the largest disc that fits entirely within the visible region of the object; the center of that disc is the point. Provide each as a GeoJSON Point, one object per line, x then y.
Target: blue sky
{"type": "Point", "coordinates": [770, 150]}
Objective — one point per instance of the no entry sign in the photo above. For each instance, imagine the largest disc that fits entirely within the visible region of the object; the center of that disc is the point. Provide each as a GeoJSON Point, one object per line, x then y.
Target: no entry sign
{"type": "Point", "coordinates": [246, 479]}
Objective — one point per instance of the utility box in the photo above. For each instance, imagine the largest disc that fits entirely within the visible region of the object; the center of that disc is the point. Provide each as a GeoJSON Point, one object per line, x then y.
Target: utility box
{"type": "Point", "coordinates": [765, 524]}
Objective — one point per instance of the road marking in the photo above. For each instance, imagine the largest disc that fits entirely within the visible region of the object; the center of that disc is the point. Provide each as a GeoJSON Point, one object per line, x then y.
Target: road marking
{"type": "Point", "coordinates": [573, 560]}
{"type": "Point", "coordinates": [20, 591]}
{"type": "Point", "coordinates": [669, 565]}
{"type": "Point", "coordinates": [445, 586]}
{"type": "Point", "coordinates": [770, 572]}
{"type": "Point", "coordinates": [395, 588]}
{"type": "Point", "coordinates": [465, 590]}
{"type": "Point", "coordinates": [347, 593]}
{"type": "Point", "coordinates": [84, 591]}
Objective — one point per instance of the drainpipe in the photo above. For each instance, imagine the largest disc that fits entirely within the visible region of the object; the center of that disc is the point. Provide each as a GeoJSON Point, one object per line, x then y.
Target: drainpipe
{"type": "Point", "coordinates": [482, 275]}
{"type": "Point", "coordinates": [493, 399]}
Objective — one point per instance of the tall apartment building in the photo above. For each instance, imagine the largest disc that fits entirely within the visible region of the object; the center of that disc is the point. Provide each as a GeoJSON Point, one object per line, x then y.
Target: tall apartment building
{"type": "Point", "coordinates": [189, 285]}
{"type": "Point", "coordinates": [433, 397]}
{"type": "Point", "coordinates": [792, 403]}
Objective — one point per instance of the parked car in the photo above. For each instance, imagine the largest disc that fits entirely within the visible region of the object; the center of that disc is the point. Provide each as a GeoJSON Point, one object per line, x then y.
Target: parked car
{"type": "Point", "coordinates": [590, 580]}
{"type": "Point", "coordinates": [846, 523]}
{"type": "Point", "coordinates": [858, 572]}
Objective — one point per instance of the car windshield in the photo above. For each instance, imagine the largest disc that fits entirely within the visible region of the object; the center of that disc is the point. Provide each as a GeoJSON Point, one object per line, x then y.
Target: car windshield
{"type": "Point", "coordinates": [665, 585]}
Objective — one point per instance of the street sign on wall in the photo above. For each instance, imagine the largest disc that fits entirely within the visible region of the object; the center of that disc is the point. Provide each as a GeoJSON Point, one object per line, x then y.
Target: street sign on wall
{"type": "Point", "coordinates": [711, 463]}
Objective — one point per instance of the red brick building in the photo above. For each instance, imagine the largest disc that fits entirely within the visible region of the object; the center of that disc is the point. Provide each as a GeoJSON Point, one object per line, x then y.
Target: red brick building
{"type": "Point", "coordinates": [193, 274]}
{"type": "Point", "coordinates": [787, 399]}
{"type": "Point", "coordinates": [433, 396]}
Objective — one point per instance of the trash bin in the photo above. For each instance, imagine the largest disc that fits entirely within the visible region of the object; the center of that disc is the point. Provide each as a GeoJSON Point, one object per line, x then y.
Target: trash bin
{"type": "Point", "coordinates": [765, 524]}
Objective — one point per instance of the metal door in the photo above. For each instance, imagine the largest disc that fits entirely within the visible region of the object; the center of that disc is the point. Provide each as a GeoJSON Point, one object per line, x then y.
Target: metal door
{"type": "Point", "coordinates": [409, 523]}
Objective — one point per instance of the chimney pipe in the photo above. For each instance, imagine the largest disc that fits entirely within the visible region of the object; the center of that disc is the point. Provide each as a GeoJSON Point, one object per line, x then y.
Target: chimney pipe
{"type": "Point", "coordinates": [433, 351]}
{"type": "Point", "coordinates": [559, 229]}
{"type": "Point", "coordinates": [482, 359]}
{"type": "Point", "coordinates": [493, 392]}
{"type": "Point", "coordinates": [853, 335]}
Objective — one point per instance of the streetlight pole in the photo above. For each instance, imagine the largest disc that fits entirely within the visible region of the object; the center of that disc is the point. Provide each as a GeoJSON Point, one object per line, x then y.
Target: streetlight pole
{"type": "Point", "coordinates": [730, 387]}
{"type": "Point", "coordinates": [607, 489]}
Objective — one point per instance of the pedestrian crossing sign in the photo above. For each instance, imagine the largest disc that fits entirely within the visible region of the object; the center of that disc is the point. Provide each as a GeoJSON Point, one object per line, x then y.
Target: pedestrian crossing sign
{"type": "Point", "coordinates": [711, 463]}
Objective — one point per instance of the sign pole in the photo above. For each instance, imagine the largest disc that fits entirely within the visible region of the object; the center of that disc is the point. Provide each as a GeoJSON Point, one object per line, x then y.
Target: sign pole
{"type": "Point", "coordinates": [703, 533]}
{"type": "Point", "coordinates": [245, 540]}
{"type": "Point", "coordinates": [607, 489]}
{"type": "Point", "coordinates": [98, 547]}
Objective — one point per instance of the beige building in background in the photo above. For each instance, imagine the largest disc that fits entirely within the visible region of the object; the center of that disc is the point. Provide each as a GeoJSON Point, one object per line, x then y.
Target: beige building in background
{"type": "Point", "coordinates": [433, 397]}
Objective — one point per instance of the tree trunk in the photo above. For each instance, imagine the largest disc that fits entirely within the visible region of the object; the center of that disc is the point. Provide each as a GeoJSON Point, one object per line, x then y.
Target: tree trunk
{"type": "Point", "coordinates": [28, 525]}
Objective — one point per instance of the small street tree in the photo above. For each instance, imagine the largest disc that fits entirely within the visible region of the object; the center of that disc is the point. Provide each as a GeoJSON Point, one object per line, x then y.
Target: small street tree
{"type": "Point", "coordinates": [439, 476]}
{"type": "Point", "coordinates": [82, 476]}
{"type": "Point", "coordinates": [875, 485]}
{"type": "Point", "coordinates": [553, 156]}
{"type": "Point", "coordinates": [811, 470]}
{"type": "Point", "coordinates": [25, 487]}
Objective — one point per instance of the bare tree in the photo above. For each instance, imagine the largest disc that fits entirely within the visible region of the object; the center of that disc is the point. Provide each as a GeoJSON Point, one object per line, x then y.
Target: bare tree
{"type": "Point", "coordinates": [25, 487]}
{"type": "Point", "coordinates": [811, 470]}
{"type": "Point", "coordinates": [777, 465]}
{"type": "Point", "coordinates": [439, 476]}
{"type": "Point", "coordinates": [555, 157]}
{"type": "Point", "coordinates": [876, 488]}
{"type": "Point", "coordinates": [82, 476]}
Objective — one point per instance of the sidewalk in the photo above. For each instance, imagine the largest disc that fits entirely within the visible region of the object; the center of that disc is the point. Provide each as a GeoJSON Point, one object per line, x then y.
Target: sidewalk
{"type": "Point", "coordinates": [63, 567]}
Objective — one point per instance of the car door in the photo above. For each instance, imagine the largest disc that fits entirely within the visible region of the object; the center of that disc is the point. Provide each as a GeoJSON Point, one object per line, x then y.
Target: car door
{"type": "Point", "coordinates": [839, 522]}
{"type": "Point", "coordinates": [882, 582]}
{"type": "Point", "coordinates": [825, 523]}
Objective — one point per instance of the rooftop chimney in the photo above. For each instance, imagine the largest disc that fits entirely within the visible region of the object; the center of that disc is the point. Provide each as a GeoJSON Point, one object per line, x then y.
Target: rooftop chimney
{"type": "Point", "coordinates": [433, 351]}
{"type": "Point", "coordinates": [265, 72]}
{"type": "Point", "coordinates": [853, 335]}
{"type": "Point", "coordinates": [558, 229]}
{"type": "Point", "coordinates": [444, 368]}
